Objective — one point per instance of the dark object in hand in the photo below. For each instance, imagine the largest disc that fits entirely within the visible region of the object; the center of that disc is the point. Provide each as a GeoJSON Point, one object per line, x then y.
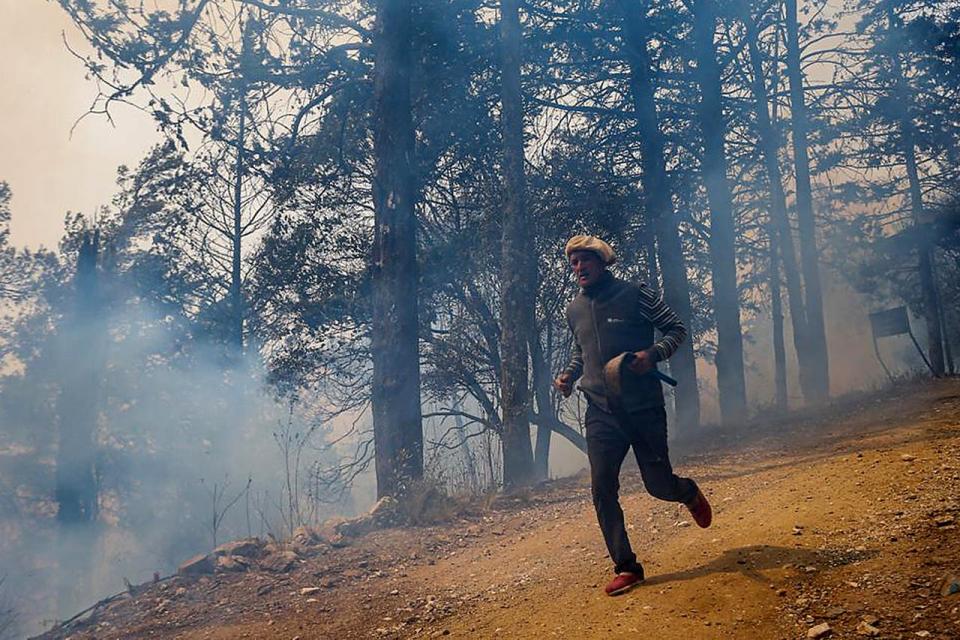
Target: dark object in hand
{"type": "Point", "coordinates": [613, 372]}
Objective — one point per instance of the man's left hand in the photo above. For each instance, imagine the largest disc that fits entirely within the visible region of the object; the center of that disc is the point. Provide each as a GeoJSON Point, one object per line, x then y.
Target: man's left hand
{"type": "Point", "coordinates": [643, 362]}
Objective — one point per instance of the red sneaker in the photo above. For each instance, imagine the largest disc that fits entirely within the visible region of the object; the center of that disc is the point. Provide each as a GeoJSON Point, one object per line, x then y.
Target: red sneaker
{"type": "Point", "coordinates": [700, 510]}
{"type": "Point", "coordinates": [622, 583]}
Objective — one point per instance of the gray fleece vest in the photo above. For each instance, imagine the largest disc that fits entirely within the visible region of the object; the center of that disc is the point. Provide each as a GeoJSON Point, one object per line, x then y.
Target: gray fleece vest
{"type": "Point", "coordinates": [606, 322]}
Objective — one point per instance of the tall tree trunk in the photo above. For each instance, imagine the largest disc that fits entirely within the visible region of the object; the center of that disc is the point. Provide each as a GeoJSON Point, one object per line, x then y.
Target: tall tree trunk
{"type": "Point", "coordinates": [236, 292]}
{"type": "Point", "coordinates": [541, 387]}
{"type": "Point", "coordinates": [944, 327]}
{"type": "Point", "coordinates": [781, 223]}
{"type": "Point", "coordinates": [491, 463]}
{"type": "Point", "coordinates": [518, 270]}
{"type": "Point", "coordinates": [78, 404]}
{"type": "Point", "coordinates": [815, 331]}
{"type": "Point", "coordinates": [779, 352]}
{"type": "Point", "coordinates": [395, 398]}
{"type": "Point", "coordinates": [928, 286]}
{"type": "Point", "coordinates": [726, 300]}
{"type": "Point", "coordinates": [657, 191]}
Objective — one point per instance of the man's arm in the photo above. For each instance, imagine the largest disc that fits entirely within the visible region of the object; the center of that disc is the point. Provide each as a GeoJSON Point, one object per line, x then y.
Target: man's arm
{"type": "Point", "coordinates": [564, 382]}
{"type": "Point", "coordinates": [665, 320]}
{"type": "Point", "coordinates": [575, 369]}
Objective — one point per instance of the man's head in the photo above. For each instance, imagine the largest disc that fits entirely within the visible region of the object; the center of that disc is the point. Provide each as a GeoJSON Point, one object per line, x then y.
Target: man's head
{"type": "Point", "coordinates": [589, 258]}
{"type": "Point", "coordinates": [587, 267]}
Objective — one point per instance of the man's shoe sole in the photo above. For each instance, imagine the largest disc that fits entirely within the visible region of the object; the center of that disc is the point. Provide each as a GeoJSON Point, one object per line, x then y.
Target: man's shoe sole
{"type": "Point", "coordinates": [623, 590]}
{"type": "Point", "coordinates": [706, 518]}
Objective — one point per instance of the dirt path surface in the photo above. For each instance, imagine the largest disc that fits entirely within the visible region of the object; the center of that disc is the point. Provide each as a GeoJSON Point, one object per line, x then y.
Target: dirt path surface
{"type": "Point", "coordinates": [848, 519]}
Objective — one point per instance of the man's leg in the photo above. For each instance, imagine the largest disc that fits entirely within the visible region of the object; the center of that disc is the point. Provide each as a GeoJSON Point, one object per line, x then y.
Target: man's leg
{"type": "Point", "coordinates": [653, 458]}
{"type": "Point", "coordinates": [607, 446]}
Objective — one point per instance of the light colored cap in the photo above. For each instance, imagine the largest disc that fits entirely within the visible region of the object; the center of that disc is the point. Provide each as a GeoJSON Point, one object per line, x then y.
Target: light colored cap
{"type": "Point", "coordinates": [591, 243]}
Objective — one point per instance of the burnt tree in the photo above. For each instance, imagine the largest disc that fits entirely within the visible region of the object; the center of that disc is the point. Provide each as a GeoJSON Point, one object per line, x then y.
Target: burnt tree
{"type": "Point", "coordinates": [517, 267]}
{"type": "Point", "coordinates": [816, 342]}
{"type": "Point", "coordinates": [83, 354]}
{"type": "Point", "coordinates": [782, 248]}
{"type": "Point", "coordinates": [395, 393]}
{"type": "Point", "coordinates": [726, 300]}
{"type": "Point", "coordinates": [78, 403]}
{"type": "Point", "coordinates": [776, 309]}
{"type": "Point", "coordinates": [659, 206]}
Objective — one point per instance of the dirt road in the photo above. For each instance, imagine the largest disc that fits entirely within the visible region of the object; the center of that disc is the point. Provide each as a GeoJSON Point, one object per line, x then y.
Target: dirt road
{"type": "Point", "coordinates": [848, 519]}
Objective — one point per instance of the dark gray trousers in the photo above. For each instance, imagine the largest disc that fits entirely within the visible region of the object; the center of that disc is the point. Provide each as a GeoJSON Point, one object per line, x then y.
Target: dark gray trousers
{"type": "Point", "coordinates": [609, 437]}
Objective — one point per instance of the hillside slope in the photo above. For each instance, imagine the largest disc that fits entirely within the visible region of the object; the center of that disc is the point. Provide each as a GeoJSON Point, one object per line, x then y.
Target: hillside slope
{"type": "Point", "coordinates": [836, 518]}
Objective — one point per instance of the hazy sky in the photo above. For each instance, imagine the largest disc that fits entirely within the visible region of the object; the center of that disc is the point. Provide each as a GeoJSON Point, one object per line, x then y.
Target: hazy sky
{"type": "Point", "coordinates": [42, 93]}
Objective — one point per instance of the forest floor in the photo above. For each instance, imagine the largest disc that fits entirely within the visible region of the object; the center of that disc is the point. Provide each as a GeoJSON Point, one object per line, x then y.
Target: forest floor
{"type": "Point", "coordinates": [837, 517]}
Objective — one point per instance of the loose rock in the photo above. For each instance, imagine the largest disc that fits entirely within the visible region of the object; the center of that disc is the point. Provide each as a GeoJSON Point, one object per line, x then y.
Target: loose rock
{"type": "Point", "coordinates": [950, 586]}
{"type": "Point", "coordinates": [279, 562]}
{"type": "Point", "coordinates": [231, 563]}
{"type": "Point", "coordinates": [197, 565]}
{"type": "Point", "coordinates": [819, 631]}
{"type": "Point", "coordinates": [247, 548]}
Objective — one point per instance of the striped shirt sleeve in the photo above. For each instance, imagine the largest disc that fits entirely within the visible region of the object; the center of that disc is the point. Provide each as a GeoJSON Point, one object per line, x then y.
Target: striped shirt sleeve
{"type": "Point", "coordinates": [665, 320]}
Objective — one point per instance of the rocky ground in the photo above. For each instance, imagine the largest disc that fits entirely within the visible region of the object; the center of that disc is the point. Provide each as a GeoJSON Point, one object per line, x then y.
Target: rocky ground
{"type": "Point", "coordinates": [840, 524]}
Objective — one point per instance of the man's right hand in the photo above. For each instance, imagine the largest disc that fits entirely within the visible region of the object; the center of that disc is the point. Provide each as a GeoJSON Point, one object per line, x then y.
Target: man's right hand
{"type": "Point", "coordinates": [564, 384]}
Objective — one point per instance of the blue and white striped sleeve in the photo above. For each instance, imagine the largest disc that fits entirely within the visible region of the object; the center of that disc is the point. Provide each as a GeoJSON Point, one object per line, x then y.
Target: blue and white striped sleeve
{"type": "Point", "coordinates": [665, 320]}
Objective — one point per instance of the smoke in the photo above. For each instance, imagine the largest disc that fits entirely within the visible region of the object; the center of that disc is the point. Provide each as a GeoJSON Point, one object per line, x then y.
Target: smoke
{"type": "Point", "coordinates": [853, 362]}
{"type": "Point", "coordinates": [8, 616]}
{"type": "Point", "coordinates": [187, 454]}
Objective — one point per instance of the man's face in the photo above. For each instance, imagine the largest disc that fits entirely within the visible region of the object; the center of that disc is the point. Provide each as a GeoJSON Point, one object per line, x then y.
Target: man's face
{"type": "Point", "coordinates": [587, 267]}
